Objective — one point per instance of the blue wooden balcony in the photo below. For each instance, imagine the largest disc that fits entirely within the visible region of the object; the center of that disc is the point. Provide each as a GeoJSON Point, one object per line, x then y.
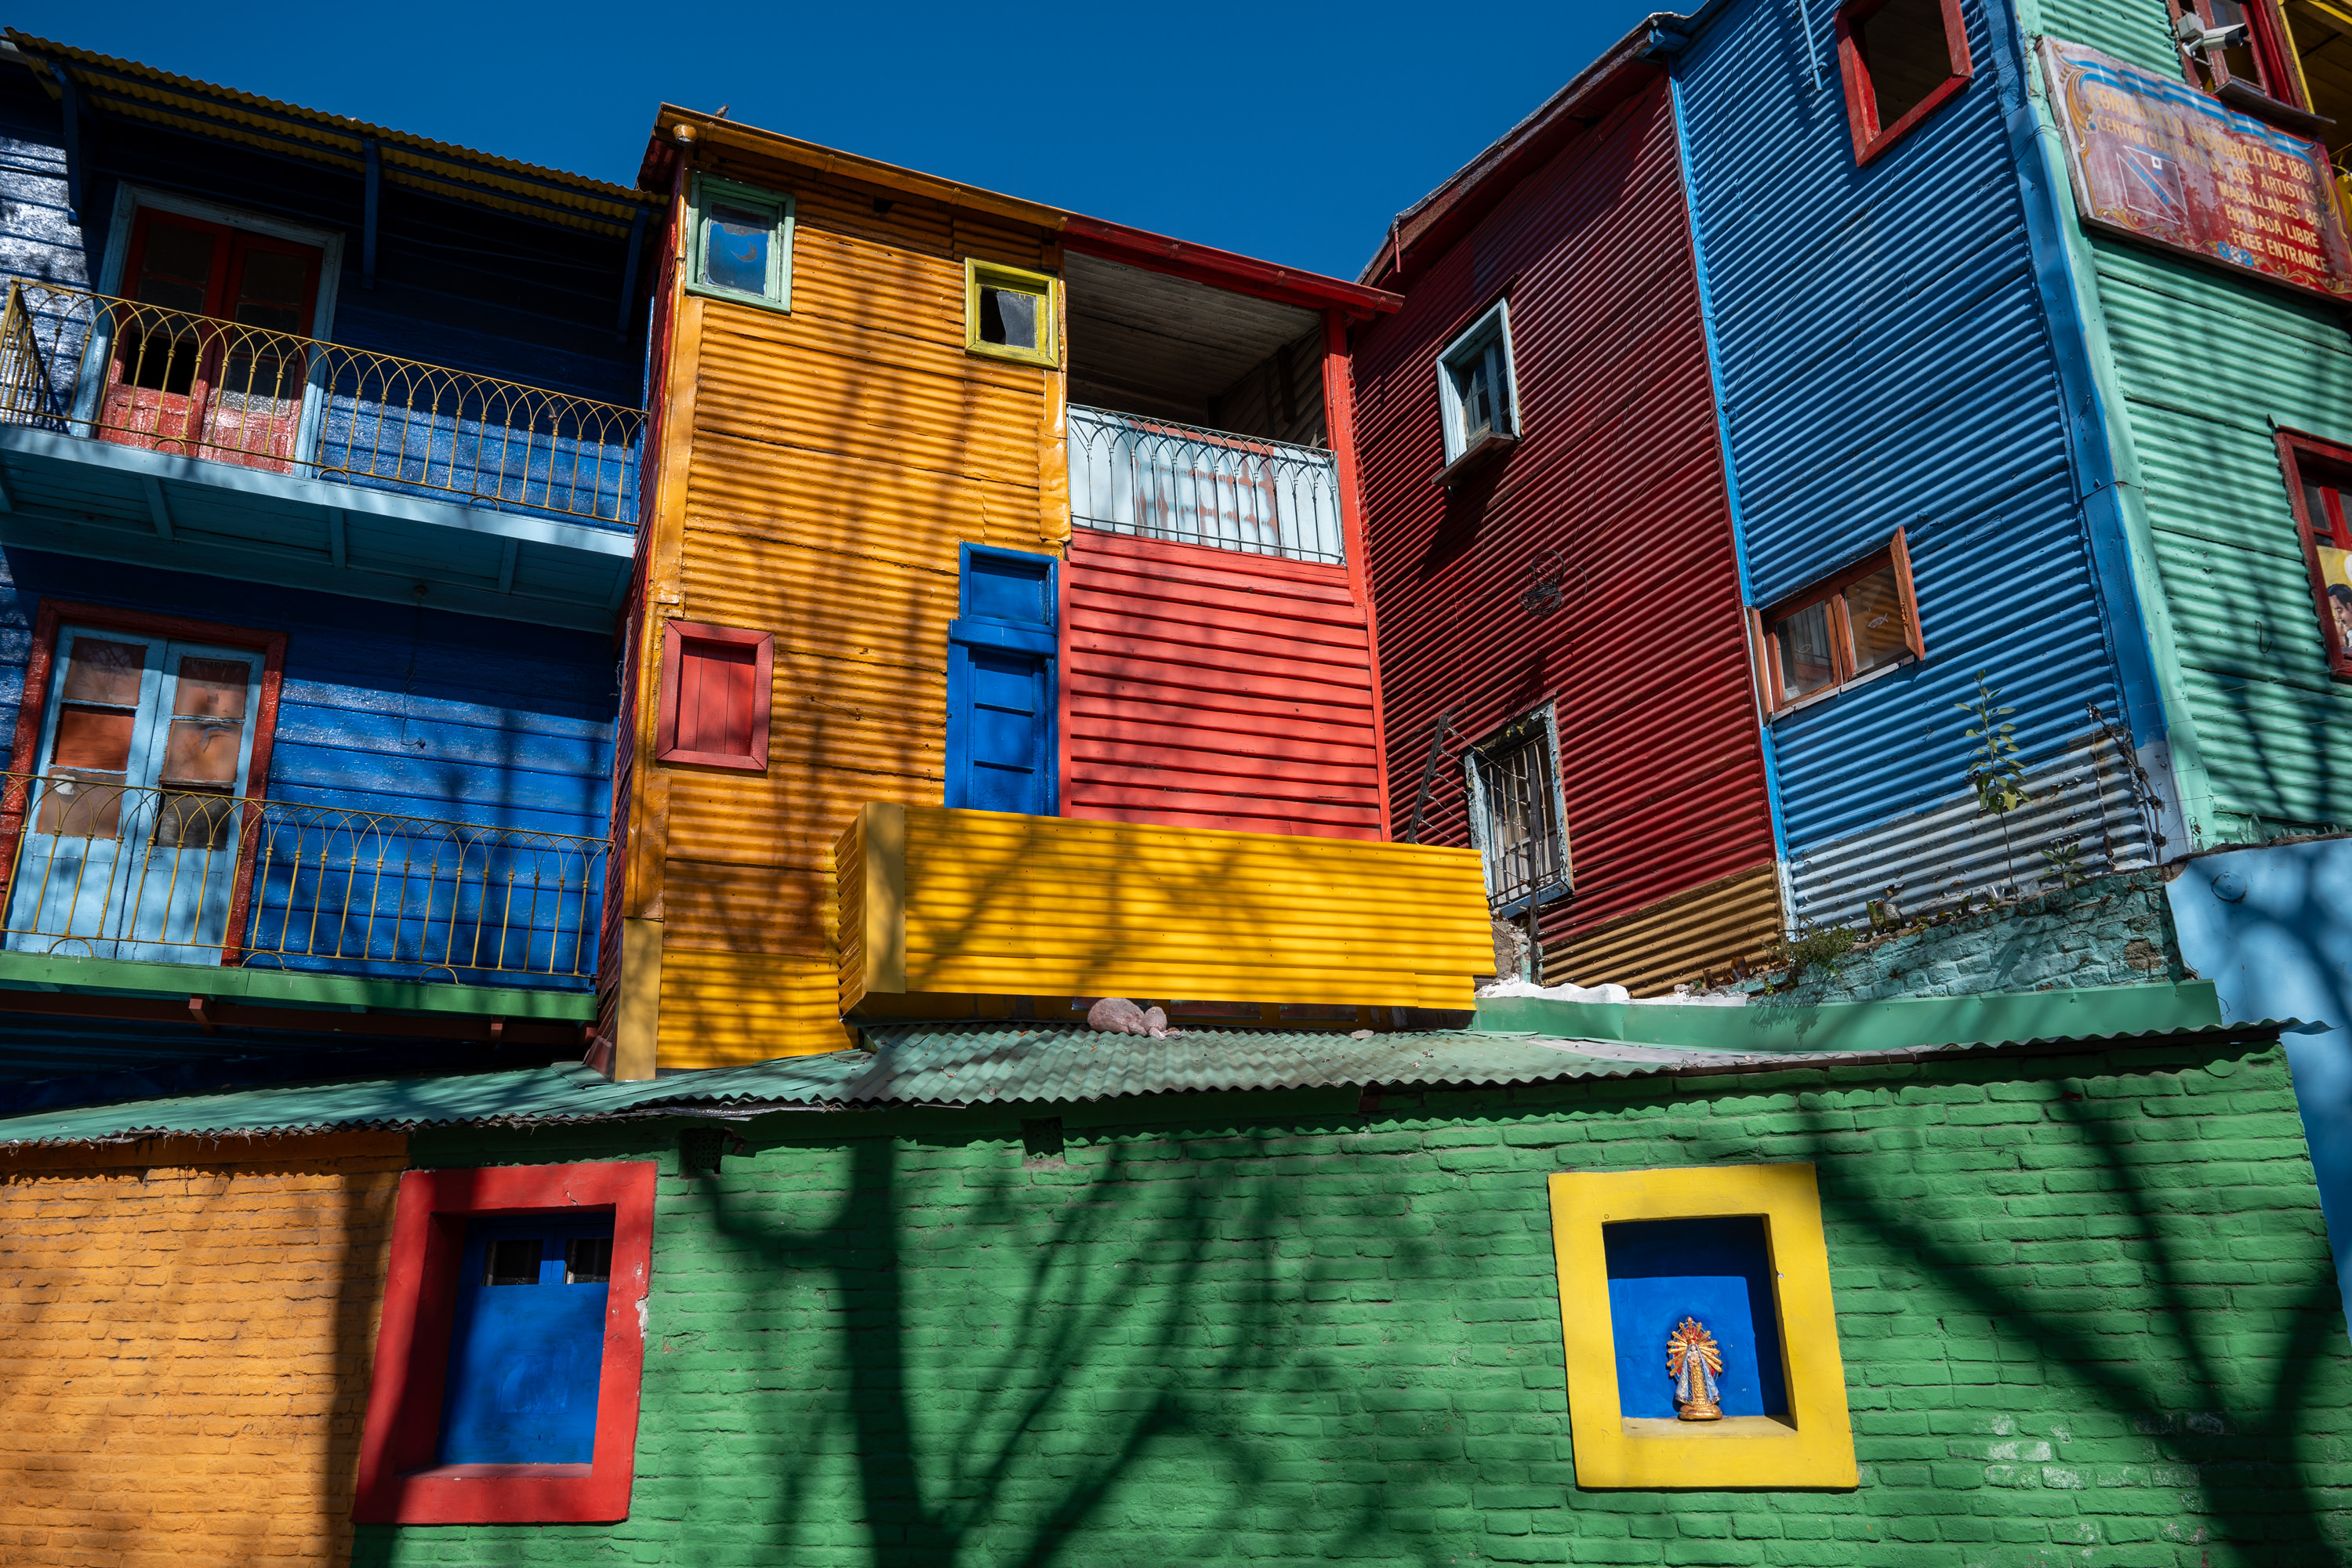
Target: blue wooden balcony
{"type": "Point", "coordinates": [139, 434]}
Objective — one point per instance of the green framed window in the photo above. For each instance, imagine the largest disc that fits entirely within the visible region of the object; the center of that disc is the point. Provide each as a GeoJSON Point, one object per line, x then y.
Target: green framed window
{"type": "Point", "coordinates": [1011, 314]}
{"type": "Point", "coordinates": [742, 243]}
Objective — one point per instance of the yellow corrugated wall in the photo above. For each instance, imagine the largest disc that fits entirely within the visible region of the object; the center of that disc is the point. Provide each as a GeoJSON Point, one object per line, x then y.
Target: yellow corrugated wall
{"type": "Point", "coordinates": [840, 453]}
{"type": "Point", "coordinates": [1009, 905]}
{"type": "Point", "coordinates": [1694, 939]}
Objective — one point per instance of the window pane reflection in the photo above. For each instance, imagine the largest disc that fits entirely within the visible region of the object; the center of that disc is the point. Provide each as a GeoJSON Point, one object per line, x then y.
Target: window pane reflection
{"type": "Point", "coordinates": [1876, 605]}
{"type": "Point", "coordinates": [735, 249]}
{"type": "Point", "coordinates": [1806, 665]}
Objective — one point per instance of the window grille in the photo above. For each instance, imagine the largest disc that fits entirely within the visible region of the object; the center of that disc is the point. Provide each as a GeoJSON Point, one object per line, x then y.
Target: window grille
{"type": "Point", "coordinates": [1521, 818]}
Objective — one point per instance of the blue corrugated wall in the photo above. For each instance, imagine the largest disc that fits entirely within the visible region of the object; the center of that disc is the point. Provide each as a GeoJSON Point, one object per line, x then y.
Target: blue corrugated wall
{"type": "Point", "coordinates": [384, 707]}
{"type": "Point", "coordinates": [1886, 360]}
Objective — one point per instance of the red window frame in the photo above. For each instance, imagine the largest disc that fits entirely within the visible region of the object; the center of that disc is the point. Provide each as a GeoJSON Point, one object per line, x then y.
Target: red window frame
{"type": "Point", "coordinates": [678, 636]}
{"type": "Point", "coordinates": [1871, 138]}
{"type": "Point", "coordinates": [1895, 552]}
{"type": "Point", "coordinates": [397, 1481]}
{"type": "Point", "coordinates": [2315, 461]}
{"type": "Point", "coordinates": [42, 661]}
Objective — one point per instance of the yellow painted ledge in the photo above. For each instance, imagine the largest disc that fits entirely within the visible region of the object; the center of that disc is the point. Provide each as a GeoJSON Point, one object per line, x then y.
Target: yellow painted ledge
{"type": "Point", "coordinates": [1813, 1446]}
{"type": "Point", "coordinates": [988, 903]}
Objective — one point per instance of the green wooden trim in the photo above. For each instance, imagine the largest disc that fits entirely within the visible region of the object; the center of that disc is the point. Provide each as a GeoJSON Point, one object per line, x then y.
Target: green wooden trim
{"type": "Point", "coordinates": [59, 972]}
{"type": "Point", "coordinates": [779, 294]}
{"type": "Point", "coordinates": [1047, 289]}
{"type": "Point", "coordinates": [2083, 1012]}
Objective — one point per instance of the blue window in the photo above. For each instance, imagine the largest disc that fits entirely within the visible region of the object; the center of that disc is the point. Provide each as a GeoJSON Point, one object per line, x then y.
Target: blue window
{"type": "Point", "coordinates": [527, 1345]}
{"type": "Point", "coordinates": [1717, 1271]}
{"type": "Point", "coordinates": [1001, 743]}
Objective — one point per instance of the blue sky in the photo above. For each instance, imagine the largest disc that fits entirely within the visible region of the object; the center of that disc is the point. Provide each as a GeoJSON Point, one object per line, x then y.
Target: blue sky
{"type": "Point", "coordinates": [1289, 133]}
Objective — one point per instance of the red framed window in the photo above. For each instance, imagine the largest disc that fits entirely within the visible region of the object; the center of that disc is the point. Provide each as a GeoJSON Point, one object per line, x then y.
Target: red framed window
{"type": "Point", "coordinates": [484, 1353]}
{"type": "Point", "coordinates": [2244, 54]}
{"type": "Point", "coordinates": [2319, 485]}
{"type": "Point", "coordinates": [714, 696]}
{"type": "Point", "coordinates": [1900, 60]}
{"type": "Point", "coordinates": [1815, 643]}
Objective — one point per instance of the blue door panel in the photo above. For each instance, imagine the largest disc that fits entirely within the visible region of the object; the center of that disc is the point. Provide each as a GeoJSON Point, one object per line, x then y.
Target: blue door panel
{"type": "Point", "coordinates": [525, 1358]}
{"type": "Point", "coordinates": [1001, 745]}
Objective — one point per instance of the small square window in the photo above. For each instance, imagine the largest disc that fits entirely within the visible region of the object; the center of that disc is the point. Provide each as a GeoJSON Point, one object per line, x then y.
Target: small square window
{"type": "Point", "coordinates": [1010, 314]}
{"type": "Point", "coordinates": [1477, 392]}
{"type": "Point", "coordinates": [2319, 487]}
{"type": "Point", "coordinates": [512, 1338]}
{"type": "Point", "coordinates": [715, 694]}
{"type": "Point", "coordinates": [1901, 61]}
{"type": "Point", "coordinates": [742, 243]}
{"type": "Point", "coordinates": [1518, 817]}
{"type": "Point", "coordinates": [1839, 629]}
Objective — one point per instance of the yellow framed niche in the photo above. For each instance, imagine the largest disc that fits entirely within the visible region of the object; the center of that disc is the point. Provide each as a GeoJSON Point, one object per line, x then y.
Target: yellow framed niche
{"type": "Point", "coordinates": [1631, 1437]}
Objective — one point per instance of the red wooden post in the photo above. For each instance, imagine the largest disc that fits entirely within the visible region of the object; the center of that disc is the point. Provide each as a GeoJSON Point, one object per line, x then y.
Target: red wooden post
{"type": "Point", "coordinates": [1340, 409]}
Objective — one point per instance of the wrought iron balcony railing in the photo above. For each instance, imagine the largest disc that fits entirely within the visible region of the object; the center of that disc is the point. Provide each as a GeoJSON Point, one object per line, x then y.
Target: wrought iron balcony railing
{"type": "Point", "coordinates": [1162, 480]}
{"type": "Point", "coordinates": [140, 375]}
{"type": "Point", "coordinates": [185, 876]}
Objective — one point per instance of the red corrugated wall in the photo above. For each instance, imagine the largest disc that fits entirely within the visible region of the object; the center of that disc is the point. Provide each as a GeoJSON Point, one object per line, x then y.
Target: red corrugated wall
{"type": "Point", "coordinates": [1213, 688]}
{"type": "Point", "coordinates": [1620, 471]}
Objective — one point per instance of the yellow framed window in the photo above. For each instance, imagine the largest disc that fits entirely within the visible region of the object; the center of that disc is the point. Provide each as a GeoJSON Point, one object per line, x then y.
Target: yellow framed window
{"type": "Point", "coordinates": [1011, 314]}
{"type": "Point", "coordinates": [1702, 1343]}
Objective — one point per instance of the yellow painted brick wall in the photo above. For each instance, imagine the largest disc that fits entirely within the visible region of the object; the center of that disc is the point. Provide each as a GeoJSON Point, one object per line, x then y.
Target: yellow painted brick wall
{"type": "Point", "coordinates": [186, 1333]}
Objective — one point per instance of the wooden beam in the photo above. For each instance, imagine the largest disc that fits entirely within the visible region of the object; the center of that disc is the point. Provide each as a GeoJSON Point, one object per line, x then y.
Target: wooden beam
{"type": "Point", "coordinates": [375, 178]}
{"type": "Point", "coordinates": [158, 508]}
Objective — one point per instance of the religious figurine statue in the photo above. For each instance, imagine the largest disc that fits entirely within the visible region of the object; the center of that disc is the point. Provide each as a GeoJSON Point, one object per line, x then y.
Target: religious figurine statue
{"type": "Point", "coordinates": [1693, 1360]}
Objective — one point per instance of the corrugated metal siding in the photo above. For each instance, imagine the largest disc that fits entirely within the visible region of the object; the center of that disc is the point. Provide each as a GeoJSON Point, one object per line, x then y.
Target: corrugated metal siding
{"type": "Point", "coordinates": [2206, 363]}
{"type": "Point", "coordinates": [1621, 473]}
{"type": "Point", "coordinates": [1004, 905]}
{"type": "Point", "coordinates": [839, 456]}
{"type": "Point", "coordinates": [37, 239]}
{"type": "Point", "coordinates": [1693, 939]}
{"type": "Point", "coordinates": [1210, 689]}
{"type": "Point", "coordinates": [1885, 362]}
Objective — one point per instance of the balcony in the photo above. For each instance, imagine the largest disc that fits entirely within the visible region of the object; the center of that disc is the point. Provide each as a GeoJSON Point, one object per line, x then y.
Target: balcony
{"type": "Point", "coordinates": [120, 887]}
{"type": "Point", "coordinates": [147, 434]}
{"type": "Point", "coordinates": [1154, 479]}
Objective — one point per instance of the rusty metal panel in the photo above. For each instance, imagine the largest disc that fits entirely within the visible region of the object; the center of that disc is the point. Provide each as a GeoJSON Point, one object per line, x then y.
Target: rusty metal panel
{"type": "Point", "coordinates": [1699, 938]}
{"type": "Point", "coordinates": [1213, 689]}
{"type": "Point", "coordinates": [1593, 566]}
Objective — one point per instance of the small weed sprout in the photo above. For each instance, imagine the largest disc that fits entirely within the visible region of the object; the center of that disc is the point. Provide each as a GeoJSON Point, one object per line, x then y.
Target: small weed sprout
{"type": "Point", "coordinates": [1994, 771]}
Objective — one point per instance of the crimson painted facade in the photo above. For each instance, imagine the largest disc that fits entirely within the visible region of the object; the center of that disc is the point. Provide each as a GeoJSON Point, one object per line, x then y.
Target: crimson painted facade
{"type": "Point", "coordinates": [1614, 496]}
{"type": "Point", "coordinates": [1214, 689]}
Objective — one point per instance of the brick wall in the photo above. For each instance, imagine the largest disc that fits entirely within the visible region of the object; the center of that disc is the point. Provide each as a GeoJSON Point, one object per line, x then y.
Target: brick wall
{"type": "Point", "coordinates": [186, 1328]}
{"type": "Point", "coordinates": [2111, 931]}
{"type": "Point", "coordinates": [2086, 1310]}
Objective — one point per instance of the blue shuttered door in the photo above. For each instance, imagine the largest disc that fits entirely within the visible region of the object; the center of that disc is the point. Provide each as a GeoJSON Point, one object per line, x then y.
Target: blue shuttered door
{"type": "Point", "coordinates": [1001, 746]}
{"type": "Point", "coordinates": [527, 1347]}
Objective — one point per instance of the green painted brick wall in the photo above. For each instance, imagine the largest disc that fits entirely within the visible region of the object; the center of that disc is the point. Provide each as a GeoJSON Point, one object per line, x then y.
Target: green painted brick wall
{"type": "Point", "coordinates": [2088, 1317]}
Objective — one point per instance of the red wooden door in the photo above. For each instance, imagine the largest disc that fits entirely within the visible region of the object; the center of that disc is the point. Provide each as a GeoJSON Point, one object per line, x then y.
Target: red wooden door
{"type": "Point", "coordinates": [198, 369]}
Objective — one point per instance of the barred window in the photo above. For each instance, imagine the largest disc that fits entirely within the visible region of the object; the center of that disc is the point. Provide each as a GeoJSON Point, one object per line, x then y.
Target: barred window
{"type": "Point", "coordinates": [1515, 790]}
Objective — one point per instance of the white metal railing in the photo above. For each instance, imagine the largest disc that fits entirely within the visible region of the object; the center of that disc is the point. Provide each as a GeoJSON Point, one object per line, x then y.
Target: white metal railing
{"type": "Point", "coordinates": [1157, 479]}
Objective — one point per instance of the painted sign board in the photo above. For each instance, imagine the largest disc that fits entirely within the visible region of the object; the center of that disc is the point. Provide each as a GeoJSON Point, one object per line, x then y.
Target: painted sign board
{"type": "Point", "coordinates": [2155, 159]}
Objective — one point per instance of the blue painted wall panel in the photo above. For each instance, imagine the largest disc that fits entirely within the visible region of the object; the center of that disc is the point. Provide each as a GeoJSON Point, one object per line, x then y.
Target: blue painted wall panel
{"type": "Point", "coordinates": [1886, 360]}
{"type": "Point", "coordinates": [384, 707]}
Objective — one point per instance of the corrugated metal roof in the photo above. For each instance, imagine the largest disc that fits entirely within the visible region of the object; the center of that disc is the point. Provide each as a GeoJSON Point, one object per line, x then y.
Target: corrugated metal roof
{"type": "Point", "coordinates": [126, 87]}
{"type": "Point", "coordinates": [974, 1064]}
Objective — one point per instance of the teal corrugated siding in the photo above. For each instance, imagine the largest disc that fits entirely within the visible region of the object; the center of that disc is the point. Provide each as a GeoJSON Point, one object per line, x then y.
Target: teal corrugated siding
{"type": "Point", "coordinates": [2206, 363]}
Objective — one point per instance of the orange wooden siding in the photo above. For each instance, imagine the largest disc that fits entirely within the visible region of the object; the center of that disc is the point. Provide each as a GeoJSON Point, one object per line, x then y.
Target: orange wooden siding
{"type": "Point", "coordinates": [1213, 689]}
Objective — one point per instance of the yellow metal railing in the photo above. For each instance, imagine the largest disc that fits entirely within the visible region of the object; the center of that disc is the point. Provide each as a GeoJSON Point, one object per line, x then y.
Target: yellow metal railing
{"type": "Point", "coordinates": [98, 869]}
{"type": "Point", "coordinates": [165, 381]}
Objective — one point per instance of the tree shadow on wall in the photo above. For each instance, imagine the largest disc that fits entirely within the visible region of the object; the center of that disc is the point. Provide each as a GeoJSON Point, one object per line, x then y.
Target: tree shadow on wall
{"type": "Point", "coordinates": [1023, 1401]}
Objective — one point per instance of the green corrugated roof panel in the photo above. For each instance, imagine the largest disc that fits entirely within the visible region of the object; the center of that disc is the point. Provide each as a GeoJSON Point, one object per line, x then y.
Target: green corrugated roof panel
{"type": "Point", "coordinates": [966, 1064]}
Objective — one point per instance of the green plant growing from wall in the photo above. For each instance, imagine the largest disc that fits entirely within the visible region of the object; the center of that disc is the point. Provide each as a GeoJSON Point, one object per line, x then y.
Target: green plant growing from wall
{"type": "Point", "coordinates": [1814, 948]}
{"type": "Point", "coordinates": [2064, 864]}
{"type": "Point", "coordinates": [1994, 771]}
